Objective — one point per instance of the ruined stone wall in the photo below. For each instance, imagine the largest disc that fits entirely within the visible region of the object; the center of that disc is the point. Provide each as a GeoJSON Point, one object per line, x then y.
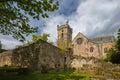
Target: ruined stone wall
{"type": "Point", "coordinates": [50, 57]}
{"type": "Point", "coordinates": [5, 58]}
{"type": "Point", "coordinates": [79, 62]}
{"type": "Point", "coordinates": [25, 56]}
{"type": "Point", "coordinates": [40, 54]}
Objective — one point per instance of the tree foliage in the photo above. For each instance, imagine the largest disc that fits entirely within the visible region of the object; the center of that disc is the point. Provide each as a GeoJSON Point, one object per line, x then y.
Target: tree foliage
{"type": "Point", "coordinates": [14, 15]}
{"type": "Point", "coordinates": [43, 37]}
{"type": "Point", "coordinates": [118, 41]}
{"type": "Point", "coordinates": [109, 54]}
{"type": "Point", "coordinates": [114, 53]}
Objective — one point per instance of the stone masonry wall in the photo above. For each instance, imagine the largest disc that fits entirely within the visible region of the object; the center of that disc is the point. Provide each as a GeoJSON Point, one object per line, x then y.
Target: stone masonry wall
{"type": "Point", "coordinates": [40, 54]}
{"type": "Point", "coordinates": [79, 62]}
{"type": "Point", "coordinates": [5, 58]}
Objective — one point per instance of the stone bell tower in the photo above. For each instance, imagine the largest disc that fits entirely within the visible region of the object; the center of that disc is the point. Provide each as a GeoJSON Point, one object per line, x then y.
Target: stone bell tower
{"type": "Point", "coordinates": [64, 35]}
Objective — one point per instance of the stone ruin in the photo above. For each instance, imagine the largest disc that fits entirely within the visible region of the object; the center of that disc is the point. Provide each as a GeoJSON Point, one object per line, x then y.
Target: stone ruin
{"type": "Point", "coordinates": [44, 56]}
{"type": "Point", "coordinates": [37, 56]}
{"type": "Point", "coordinates": [5, 58]}
{"type": "Point", "coordinates": [96, 67]}
{"type": "Point", "coordinates": [79, 61]}
{"type": "Point", "coordinates": [101, 70]}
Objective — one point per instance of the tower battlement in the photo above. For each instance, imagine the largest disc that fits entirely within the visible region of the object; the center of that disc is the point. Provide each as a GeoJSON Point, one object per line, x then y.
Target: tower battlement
{"type": "Point", "coordinates": [64, 26]}
{"type": "Point", "coordinates": [64, 35]}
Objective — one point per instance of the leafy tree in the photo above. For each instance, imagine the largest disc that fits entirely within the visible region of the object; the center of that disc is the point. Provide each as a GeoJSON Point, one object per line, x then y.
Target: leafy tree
{"type": "Point", "coordinates": [109, 54]}
{"type": "Point", "coordinates": [61, 46]}
{"type": "Point", "coordinates": [43, 37]}
{"type": "Point", "coordinates": [64, 45]}
{"type": "Point", "coordinates": [115, 57]}
{"type": "Point", "coordinates": [114, 53]}
{"type": "Point", "coordinates": [14, 15]}
{"type": "Point", "coordinates": [118, 41]}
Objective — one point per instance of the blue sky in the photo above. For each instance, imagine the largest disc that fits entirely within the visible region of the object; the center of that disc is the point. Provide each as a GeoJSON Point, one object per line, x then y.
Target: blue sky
{"type": "Point", "coordinates": [66, 8]}
{"type": "Point", "coordinates": [93, 18]}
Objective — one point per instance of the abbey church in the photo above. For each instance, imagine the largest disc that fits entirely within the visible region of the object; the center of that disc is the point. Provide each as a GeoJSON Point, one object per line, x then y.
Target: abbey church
{"type": "Point", "coordinates": [81, 45]}
{"type": "Point", "coordinates": [78, 51]}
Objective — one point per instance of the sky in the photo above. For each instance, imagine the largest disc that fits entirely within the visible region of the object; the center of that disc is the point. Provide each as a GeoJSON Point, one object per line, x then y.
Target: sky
{"type": "Point", "coordinates": [93, 18]}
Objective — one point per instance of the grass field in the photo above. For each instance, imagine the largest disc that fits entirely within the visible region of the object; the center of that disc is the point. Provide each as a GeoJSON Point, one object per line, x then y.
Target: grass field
{"type": "Point", "coordinates": [51, 75]}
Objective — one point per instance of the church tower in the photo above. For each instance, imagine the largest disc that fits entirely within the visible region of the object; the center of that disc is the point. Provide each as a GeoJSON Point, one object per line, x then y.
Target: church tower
{"type": "Point", "coordinates": [64, 35]}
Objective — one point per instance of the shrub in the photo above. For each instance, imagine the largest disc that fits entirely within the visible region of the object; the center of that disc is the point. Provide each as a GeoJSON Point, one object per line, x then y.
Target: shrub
{"type": "Point", "coordinates": [115, 57]}
{"type": "Point", "coordinates": [23, 71]}
{"type": "Point", "coordinates": [44, 69]}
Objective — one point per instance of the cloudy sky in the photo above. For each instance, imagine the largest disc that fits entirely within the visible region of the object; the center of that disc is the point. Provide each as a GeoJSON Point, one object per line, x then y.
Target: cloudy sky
{"type": "Point", "coordinates": [93, 18]}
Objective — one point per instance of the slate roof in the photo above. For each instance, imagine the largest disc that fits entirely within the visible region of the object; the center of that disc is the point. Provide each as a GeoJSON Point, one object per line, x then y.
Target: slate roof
{"type": "Point", "coordinates": [104, 39]}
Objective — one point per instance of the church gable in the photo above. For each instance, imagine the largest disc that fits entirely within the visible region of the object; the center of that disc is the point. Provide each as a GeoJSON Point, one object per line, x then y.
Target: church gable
{"type": "Point", "coordinates": [80, 45]}
{"type": "Point", "coordinates": [79, 39]}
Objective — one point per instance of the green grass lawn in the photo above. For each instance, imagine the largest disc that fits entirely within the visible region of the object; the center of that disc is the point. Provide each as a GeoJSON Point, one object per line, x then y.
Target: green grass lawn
{"type": "Point", "coordinates": [51, 75]}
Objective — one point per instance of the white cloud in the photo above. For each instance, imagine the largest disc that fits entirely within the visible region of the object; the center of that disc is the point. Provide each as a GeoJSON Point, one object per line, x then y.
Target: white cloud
{"type": "Point", "coordinates": [51, 26]}
{"type": "Point", "coordinates": [93, 18]}
{"type": "Point", "coordinates": [8, 42]}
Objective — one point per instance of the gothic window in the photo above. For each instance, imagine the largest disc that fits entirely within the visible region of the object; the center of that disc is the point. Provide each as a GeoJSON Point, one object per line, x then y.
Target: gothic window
{"type": "Point", "coordinates": [62, 36]}
{"type": "Point", "coordinates": [91, 49]}
{"type": "Point", "coordinates": [105, 50]}
{"type": "Point", "coordinates": [65, 59]}
{"type": "Point", "coordinates": [79, 40]}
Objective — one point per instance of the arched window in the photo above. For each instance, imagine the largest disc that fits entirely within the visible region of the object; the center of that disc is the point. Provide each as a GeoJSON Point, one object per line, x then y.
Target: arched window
{"type": "Point", "coordinates": [62, 36]}
{"type": "Point", "coordinates": [91, 49]}
{"type": "Point", "coordinates": [105, 50]}
{"type": "Point", "coordinates": [79, 40]}
{"type": "Point", "coordinates": [65, 59]}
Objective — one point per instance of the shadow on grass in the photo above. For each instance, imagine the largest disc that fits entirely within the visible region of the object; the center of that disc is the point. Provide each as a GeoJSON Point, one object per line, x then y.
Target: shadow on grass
{"type": "Point", "coordinates": [51, 75]}
{"type": "Point", "coordinates": [68, 75]}
{"type": "Point", "coordinates": [77, 77]}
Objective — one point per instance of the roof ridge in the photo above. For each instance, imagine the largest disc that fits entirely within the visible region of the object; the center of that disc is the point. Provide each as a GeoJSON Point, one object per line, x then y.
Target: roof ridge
{"type": "Point", "coordinates": [103, 36]}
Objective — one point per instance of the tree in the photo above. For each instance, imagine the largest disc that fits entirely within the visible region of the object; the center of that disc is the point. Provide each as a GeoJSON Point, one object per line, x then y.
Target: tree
{"type": "Point", "coordinates": [109, 54]}
{"type": "Point", "coordinates": [43, 37]}
{"type": "Point", "coordinates": [14, 15]}
{"type": "Point", "coordinates": [114, 53]}
{"type": "Point", "coordinates": [118, 41]}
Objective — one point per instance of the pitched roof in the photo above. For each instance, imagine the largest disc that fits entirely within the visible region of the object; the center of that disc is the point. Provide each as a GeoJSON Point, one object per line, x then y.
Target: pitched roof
{"type": "Point", "coordinates": [79, 33]}
{"type": "Point", "coordinates": [104, 39]}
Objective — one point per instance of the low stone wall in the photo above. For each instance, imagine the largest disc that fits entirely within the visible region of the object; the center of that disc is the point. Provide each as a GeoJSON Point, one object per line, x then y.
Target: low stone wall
{"type": "Point", "coordinates": [101, 70]}
{"type": "Point", "coordinates": [5, 58]}
{"type": "Point", "coordinates": [79, 61]}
